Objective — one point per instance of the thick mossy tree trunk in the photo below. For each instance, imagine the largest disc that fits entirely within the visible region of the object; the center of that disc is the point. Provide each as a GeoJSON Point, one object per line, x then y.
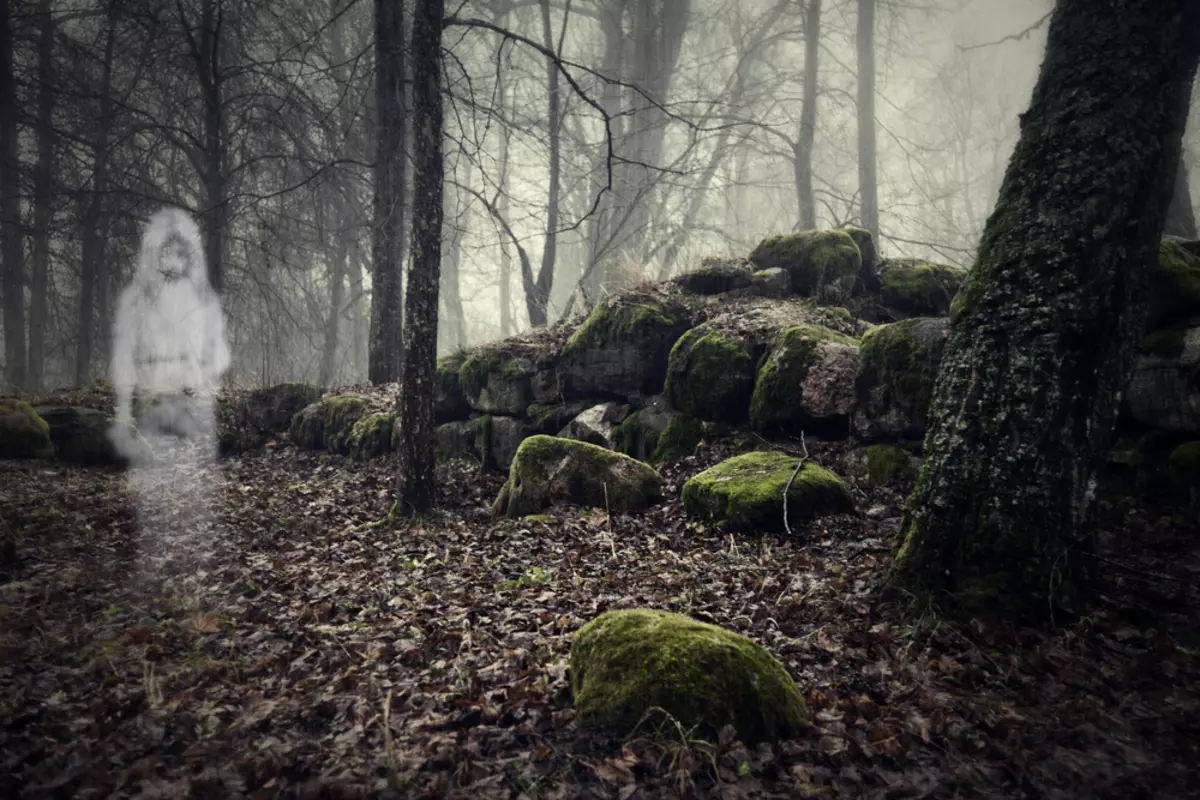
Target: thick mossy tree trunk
{"type": "Point", "coordinates": [416, 421]}
{"type": "Point", "coordinates": [1045, 329]}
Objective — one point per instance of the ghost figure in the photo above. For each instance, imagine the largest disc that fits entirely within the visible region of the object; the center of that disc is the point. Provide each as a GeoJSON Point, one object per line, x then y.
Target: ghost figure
{"type": "Point", "coordinates": [169, 340]}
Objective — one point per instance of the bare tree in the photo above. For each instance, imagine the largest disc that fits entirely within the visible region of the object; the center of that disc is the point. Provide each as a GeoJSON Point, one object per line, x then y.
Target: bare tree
{"type": "Point", "coordinates": [11, 227]}
{"type": "Point", "coordinates": [808, 118]}
{"type": "Point", "coordinates": [867, 179]}
{"type": "Point", "coordinates": [43, 178]}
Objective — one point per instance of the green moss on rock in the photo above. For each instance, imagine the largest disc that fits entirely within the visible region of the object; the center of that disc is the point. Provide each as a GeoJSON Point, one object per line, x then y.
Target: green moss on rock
{"type": "Point", "coordinates": [23, 434]}
{"type": "Point", "coordinates": [495, 382]}
{"type": "Point", "coordinates": [745, 493]}
{"type": "Point", "coordinates": [898, 366]}
{"type": "Point", "coordinates": [887, 463]}
{"type": "Point", "coordinates": [547, 469]}
{"type": "Point", "coordinates": [624, 663]}
{"type": "Point", "coordinates": [715, 276]}
{"type": "Point", "coordinates": [776, 402]}
{"type": "Point", "coordinates": [919, 288]}
{"type": "Point", "coordinates": [822, 264]}
{"type": "Point", "coordinates": [622, 348]}
{"type": "Point", "coordinates": [679, 439]}
{"type": "Point", "coordinates": [371, 435]}
{"type": "Point", "coordinates": [710, 374]}
{"type": "Point", "coordinates": [450, 403]}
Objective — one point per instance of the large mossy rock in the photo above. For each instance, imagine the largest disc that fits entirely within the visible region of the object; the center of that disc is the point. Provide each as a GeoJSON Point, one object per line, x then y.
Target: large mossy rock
{"type": "Point", "coordinates": [625, 663]}
{"type": "Point", "coordinates": [806, 382]}
{"type": "Point", "coordinates": [468, 440]}
{"type": "Point", "coordinates": [329, 423]}
{"type": "Point", "coordinates": [710, 375]}
{"type": "Point", "coordinates": [496, 382]}
{"type": "Point", "coordinates": [1174, 285]}
{"type": "Point", "coordinates": [248, 421]}
{"type": "Point", "coordinates": [716, 276]}
{"type": "Point", "coordinates": [23, 434]}
{"type": "Point", "coordinates": [679, 439]}
{"type": "Point", "coordinates": [621, 349]}
{"type": "Point", "coordinates": [372, 435]}
{"type": "Point", "coordinates": [548, 469]}
{"type": "Point", "coordinates": [917, 288]}
{"type": "Point", "coordinates": [637, 436]}
{"type": "Point", "coordinates": [822, 264]}
{"type": "Point", "coordinates": [1164, 387]}
{"type": "Point", "coordinates": [745, 493]}
{"type": "Point", "coordinates": [505, 437]}
{"type": "Point", "coordinates": [84, 436]}
{"type": "Point", "coordinates": [898, 365]}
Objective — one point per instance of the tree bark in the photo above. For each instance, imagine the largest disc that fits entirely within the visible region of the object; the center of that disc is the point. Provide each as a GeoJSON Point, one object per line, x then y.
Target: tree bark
{"type": "Point", "coordinates": [867, 181]}
{"type": "Point", "coordinates": [92, 244]}
{"type": "Point", "coordinates": [1046, 327]}
{"type": "Point", "coordinates": [42, 180]}
{"type": "Point", "coordinates": [11, 233]}
{"type": "Point", "coordinates": [206, 58]}
{"type": "Point", "coordinates": [386, 350]}
{"type": "Point", "coordinates": [416, 421]}
{"type": "Point", "coordinates": [808, 118]}
{"type": "Point", "coordinates": [537, 305]}
{"type": "Point", "coordinates": [337, 250]}
{"type": "Point", "coordinates": [1181, 220]}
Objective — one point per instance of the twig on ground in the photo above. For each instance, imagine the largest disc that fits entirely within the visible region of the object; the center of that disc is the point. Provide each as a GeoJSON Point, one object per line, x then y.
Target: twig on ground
{"type": "Point", "coordinates": [786, 489]}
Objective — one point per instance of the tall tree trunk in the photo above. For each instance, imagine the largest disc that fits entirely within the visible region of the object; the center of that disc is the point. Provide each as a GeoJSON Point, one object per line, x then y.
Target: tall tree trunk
{"type": "Point", "coordinates": [537, 305]}
{"type": "Point", "coordinates": [11, 236]}
{"type": "Point", "coordinates": [416, 421]}
{"type": "Point", "coordinates": [505, 132]}
{"type": "Point", "coordinates": [92, 245]}
{"type": "Point", "coordinates": [1181, 220]}
{"type": "Point", "coordinates": [452, 334]}
{"type": "Point", "coordinates": [337, 250]}
{"type": "Point", "coordinates": [386, 350]}
{"type": "Point", "coordinates": [808, 118]}
{"type": "Point", "coordinates": [42, 179]}
{"type": "Point", "coordinates": [1047, 325]}
{"type": "Point", "coordinates": [206, 54]}
{"type": "Point", "coordinates": [867, 181]}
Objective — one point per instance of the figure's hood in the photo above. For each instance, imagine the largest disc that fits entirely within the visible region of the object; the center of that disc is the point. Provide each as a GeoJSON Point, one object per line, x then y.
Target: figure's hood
{"type": "Point", "coordinates": [163, 227]}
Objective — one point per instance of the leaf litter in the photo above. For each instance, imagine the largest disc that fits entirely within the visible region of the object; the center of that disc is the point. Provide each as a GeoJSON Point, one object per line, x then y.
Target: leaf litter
{"type": "Point", "coordinates": [302, 643]}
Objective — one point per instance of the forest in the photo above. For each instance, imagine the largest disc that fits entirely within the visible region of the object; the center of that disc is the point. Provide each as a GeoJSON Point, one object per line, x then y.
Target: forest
{"type": "Point", "coordinates": [599, 398]}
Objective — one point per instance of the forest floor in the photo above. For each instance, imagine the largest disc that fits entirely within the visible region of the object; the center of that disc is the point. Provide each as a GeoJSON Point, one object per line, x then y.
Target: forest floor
{"type": "Point", "coordinates": [301, 646]}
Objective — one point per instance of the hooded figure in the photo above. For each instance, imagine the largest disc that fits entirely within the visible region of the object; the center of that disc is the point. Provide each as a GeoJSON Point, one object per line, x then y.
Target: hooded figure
{"type": "Point", "coordinates": [169, 338]}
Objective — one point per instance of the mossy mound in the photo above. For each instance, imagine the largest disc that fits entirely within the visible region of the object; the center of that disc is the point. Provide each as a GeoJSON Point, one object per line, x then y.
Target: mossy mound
{"type": "Point", "coordinates": [710, 374]}
{"type": "Point", "coordinates": [371, 435]}
{"type": "Point", "coordinates": [329, 423]}
{"type": "Point", "coordinates": [84, 436]}
{"type": "Point", "coordinates": [1174, 285]}
{"type": "Point", "coordinates": [637, 436]}
{"type": "Point", "coordinates": [496, 382]}
{"type": "Point", "coordinates": [624, 663]}
{"type": "Point", "coordinates": [621, 349]}
{"type": "Point", "coordinates": [886, 463]}
{"type": "Point", "coordinates": [745, 493]}
{"type": "Point", "coordinates": [548, 469]}
{"type": "Point", "coordinates": [805, 381]}
{"type": "Point", "coordinates": [919, 288]}
{"type": "Point", "coordinates": [678, 439]}
{"type": "Point", "coordinates": [715, 276]}
{"type": "Point", "coordinates": [823, 264]}
{"type": "Point", "coordinates": [249, 421]}
{"type": "Point", "coordinates": [898, 365]}
{"type": "Point", "coordinates": [23, 434]}
{"type": "Point", "coordinates": [450, 403]}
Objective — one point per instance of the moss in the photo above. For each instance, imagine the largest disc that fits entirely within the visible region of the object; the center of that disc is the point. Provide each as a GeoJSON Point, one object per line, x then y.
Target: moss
{"type": "Point", "coordinates": [474, 371]}
{"type": "Point", "coordinates": [23, 434]}
{"type": "Point", "coordinates": [746, 492]}
{"type": "Point", "coordinates": [710, 375]}
{"type": "Point", "coordinates": [1165, 344]}
{"type": "Point", "coordinates": [546, 468]}
{"type": "Point", "coordinates": [624, 663]}
{"type": "Point", "coordinates": [620, 320]}
{"type": "Point", "coordinates": [679, 439]}
{"type": "Point", "coordinates": [920, 287]}
{"type": "Point", "coordinates": [1175, 284]}
{"type": "Point", "coordinates": [823, 263]}
{"type": "Point", "coordinates": [340, 414]}
{"type": "Point", "coordinates": [887, 463]}
{"type": "Point", "coordinates": [894, 356]}
{"type": "Point", "coordinates": [715, 276]}
{"type": "Point", "coordinates": [782, 371]}
{"type": "Point", "coordinates": [372, 435]}
{"type": "Point", "coordinates": [482, 427]}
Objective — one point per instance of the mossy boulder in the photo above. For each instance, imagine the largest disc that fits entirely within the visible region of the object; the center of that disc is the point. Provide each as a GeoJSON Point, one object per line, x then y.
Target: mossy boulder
{"type": "Point", "coordinates": [496, 382]}
{"type": "Point", "coordinates": [710, 375]}
{"type": "Point", "coordinates": [23, 434]}
{"type": "Point", "coordinates": [547, 469]}
{"type": "Point", "coordinates": [883, 464]}
{"type": "Point", "coordinates": [1164, 386]}
{"type": "Point", "coordinates": [329, 423]}
{"type": "Point", "coordinates": [716, 276]}
{"type": "Point", "coordinates": [621, 349]}
{"type": "Point", "coordinates": [774, 282]}
{"type": "Point", "coordinates": [805, 382]}
{"type": "Point", "coordinates": [678, 439]}
{"type": "Point", "coordinates": [450, 403]}
{"type": "Point", "coordinates": [625, 663]}
{"type": "Point", "coordinates": [1174, 285]}
{"type": "Point", "coordinates": [84, 436]}
{"type": "Point", "coordinates": [455, 441]}
{"type": "Point", "coordinates": [595, 425]}
{"type": "Point", "coordinates": [505, 437]}
{"type": "Point", "coordinates": [898, 365]}
{"type": "Point", "coordinates": [637, 436]}
{"type": "Point", "coordinates": [916, 288]}
{"type": "Point", "coordinates": [250, 420]}
{"type": "Point", "coordinates": [822, 264]}
{"type": "Point", "coordinates": [372, 435]}
{"type": "Point", "coordinates": [745, 493]}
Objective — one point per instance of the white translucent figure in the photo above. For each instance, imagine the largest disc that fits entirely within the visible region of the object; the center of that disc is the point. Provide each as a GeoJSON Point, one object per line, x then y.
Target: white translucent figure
{"type": "Point", "coordinates": [169, 347]}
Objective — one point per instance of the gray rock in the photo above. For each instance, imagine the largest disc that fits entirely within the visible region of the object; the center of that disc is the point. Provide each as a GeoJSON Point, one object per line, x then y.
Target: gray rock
{"type": "Point", "coordinates": [1164, 391]}
{"type": "Point", "coordinates": [596, 424]}
{"type": "Point", "coordinates": [898, 365]}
